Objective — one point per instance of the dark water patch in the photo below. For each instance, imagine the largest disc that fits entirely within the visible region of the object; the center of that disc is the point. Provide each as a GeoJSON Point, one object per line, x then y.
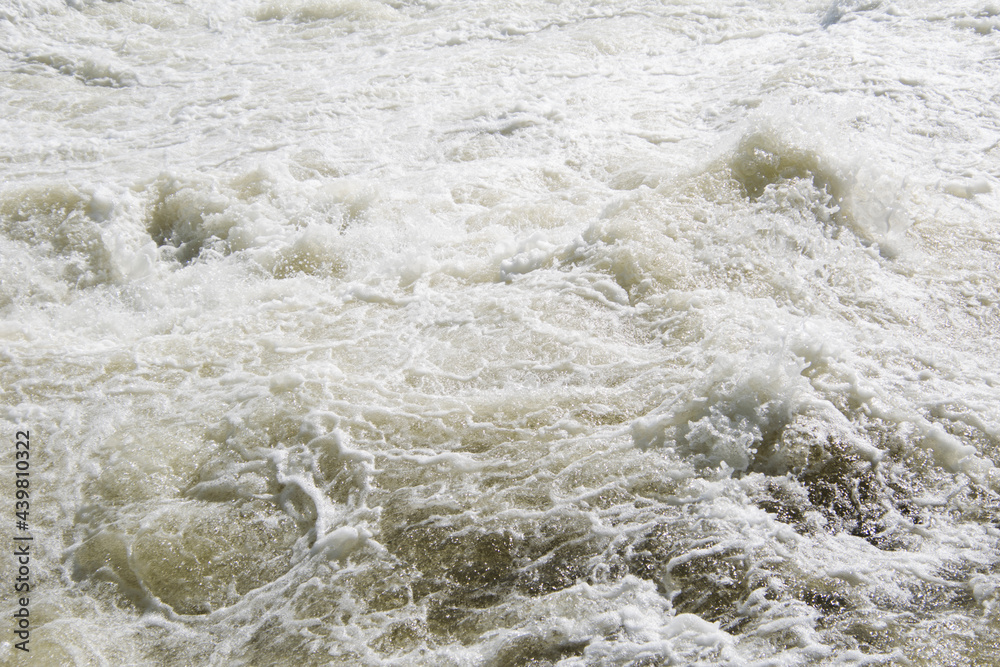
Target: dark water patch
{"type": "Point", "coordinates": [937, 598]}
{"type": "Point", "coordinates": [788, 502]}
{"type": "Point", "coordinates": [105, 558]}
{"type": "Point", "coordinates": [447, 620]}
{"type": "Point", "coordinates": [848, 495]}
{"type": "Point", "coordinates": [977, 504]}
{"type": "Point", "coordinates": [532, 556]}
{"type": "Point", "coordinates": [847, 491]}
{"type": "Point", "coordinates": [487, 560]}
{"type": "Point", "coordinates": [164, 649]}
{"type": "Point", "coordinates": [197, 557]}
{"type": "Point", "coordinates": [189, 215]}
{"type": "Point", "coordinates": [873, 638]}
{"type": "Point", "coordinates": [711, 585]}
{"type": "Point", "coordinates": [558, 569]}
{"type": "Point", "coordinates": [762, 159]}
{"type": "Point", "coordinates": [532, 651]}
{"type": "Point", "coordinates": [471, 557]}
{"type": "Point", "coordinates": [384, 586]}
{"type": "Point", "coordinates": [401, 636]}
{"type": "Point", "coordinates": [558, 552]}
{"type": "Point", "coordinates": [827, 602]}
{"type": "Point", "coordinates": [64, 222]}
{"type": "Point", "coordinates": [460, 573]}
{"type": "Point", "coordinates": [274, 644]}
{"type": "Point", "coordinates": [464, 615]}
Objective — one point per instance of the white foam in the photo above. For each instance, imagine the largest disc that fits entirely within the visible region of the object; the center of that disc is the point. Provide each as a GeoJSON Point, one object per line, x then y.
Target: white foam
{"type": "Point", "coordinates": [460, 333]}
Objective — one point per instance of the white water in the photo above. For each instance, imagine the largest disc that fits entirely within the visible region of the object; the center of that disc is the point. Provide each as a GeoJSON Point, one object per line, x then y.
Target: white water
{"type": "Point", "coordinates": [577, 333]}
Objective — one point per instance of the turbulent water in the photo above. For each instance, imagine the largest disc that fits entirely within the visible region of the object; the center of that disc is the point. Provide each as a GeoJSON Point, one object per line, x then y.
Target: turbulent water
{"type": "Point", "coordinates": [578, 332]}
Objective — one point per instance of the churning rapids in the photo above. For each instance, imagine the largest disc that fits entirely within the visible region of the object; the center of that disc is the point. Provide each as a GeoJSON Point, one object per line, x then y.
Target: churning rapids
{"type": "Point", "coordinates": [569, 332]}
